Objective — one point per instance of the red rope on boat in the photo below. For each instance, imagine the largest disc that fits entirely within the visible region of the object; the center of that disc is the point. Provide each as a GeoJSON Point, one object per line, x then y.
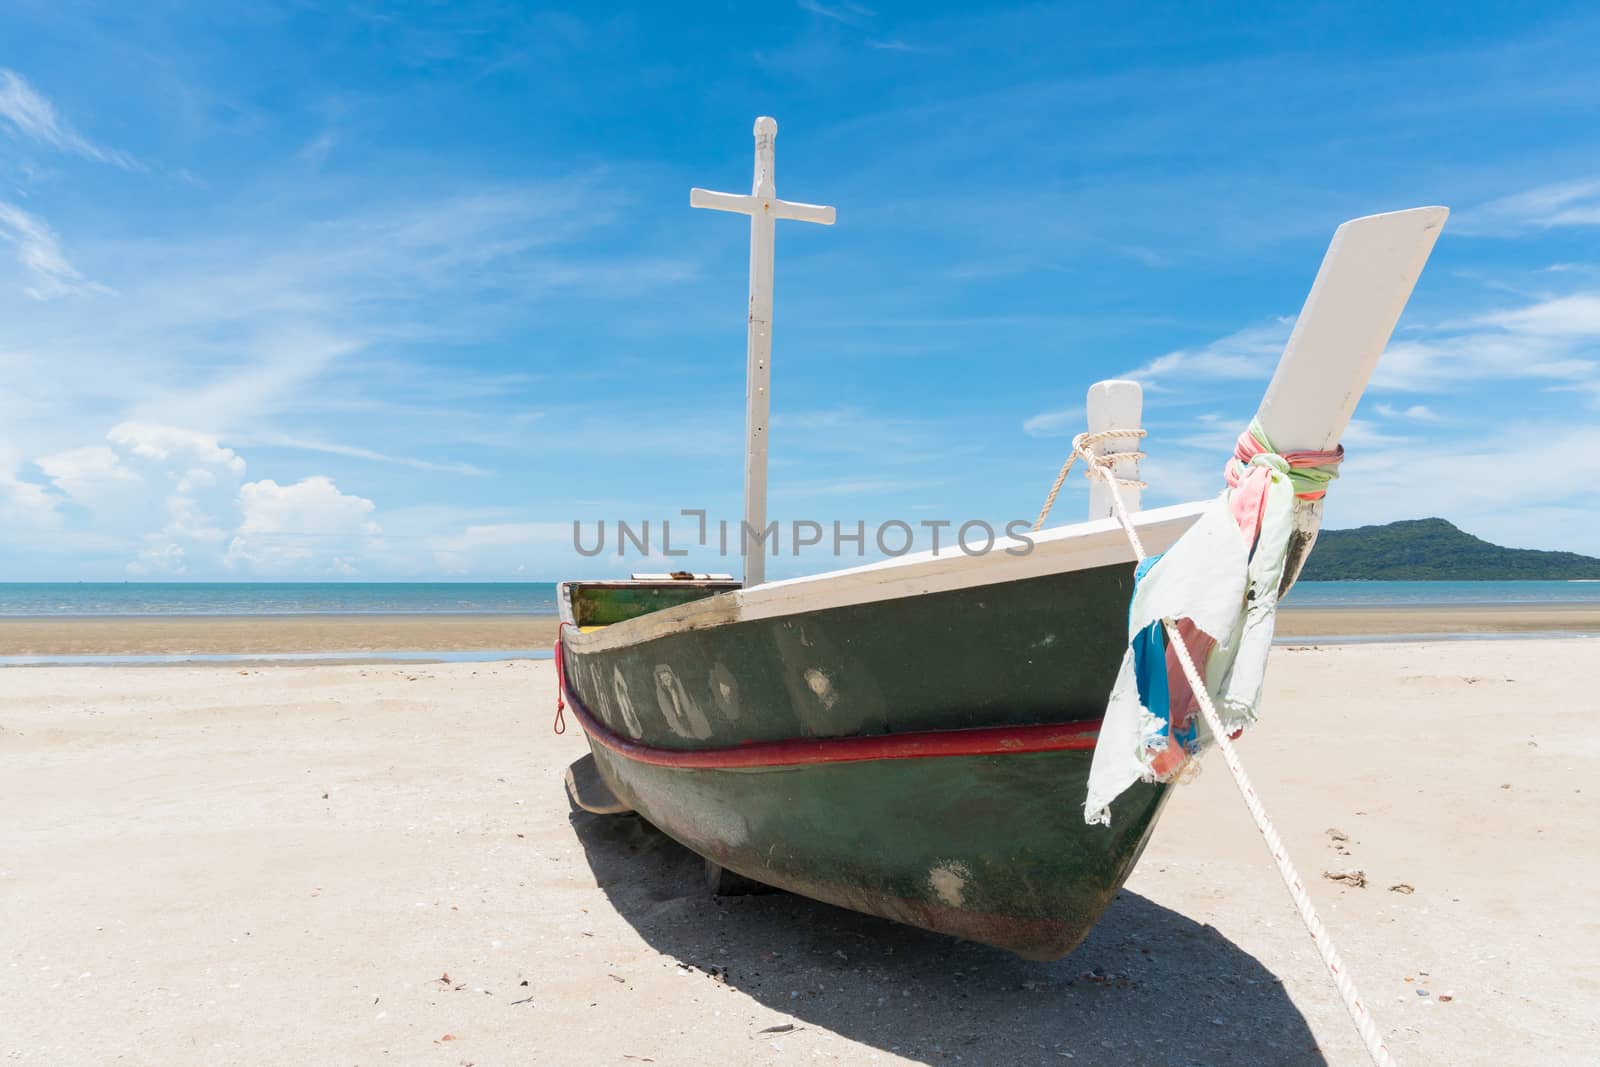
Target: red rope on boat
{"type": "Point", "coordinates": [803, 751]}
{"type": "Point", "coordinates": [561, 684]}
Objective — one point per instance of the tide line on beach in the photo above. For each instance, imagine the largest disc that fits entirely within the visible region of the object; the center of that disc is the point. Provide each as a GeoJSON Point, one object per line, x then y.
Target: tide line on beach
{"type": "Point", "coordinates": [139, 640]}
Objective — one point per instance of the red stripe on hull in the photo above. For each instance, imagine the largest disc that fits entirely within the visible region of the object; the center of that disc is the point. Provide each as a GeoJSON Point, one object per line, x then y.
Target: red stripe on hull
{"type": "Point", "coordinates": [800, 751]}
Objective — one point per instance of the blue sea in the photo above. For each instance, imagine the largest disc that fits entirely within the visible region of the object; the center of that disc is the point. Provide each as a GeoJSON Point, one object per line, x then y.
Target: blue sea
{"type": "Point", "coordinates": [67, 600]}
{"type": "Point", "coordinates": [133, 599]}
{"type": "Point", "coordinates": [149, 599]}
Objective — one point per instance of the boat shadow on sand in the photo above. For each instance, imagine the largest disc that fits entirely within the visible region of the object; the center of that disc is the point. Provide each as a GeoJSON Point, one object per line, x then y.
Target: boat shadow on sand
{"type": "Point", "coordinates": [1149, 986]}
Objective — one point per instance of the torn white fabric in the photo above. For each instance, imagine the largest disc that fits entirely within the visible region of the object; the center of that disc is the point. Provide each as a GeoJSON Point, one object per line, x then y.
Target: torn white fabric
{"type": "Point", "coordinates": [1211, 578]}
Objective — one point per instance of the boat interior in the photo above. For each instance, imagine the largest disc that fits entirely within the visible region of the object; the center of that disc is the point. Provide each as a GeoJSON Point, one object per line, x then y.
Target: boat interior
{"type": "Point", "coordinates": [595, 605]}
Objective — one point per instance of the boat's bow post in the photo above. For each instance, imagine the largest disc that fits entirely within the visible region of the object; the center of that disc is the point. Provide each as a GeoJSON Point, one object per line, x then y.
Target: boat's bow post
{"type": "Point", "coordinates": [1115, 405]}
{"type": "Point", "coordinates": [764, 208]}
{"type": "Point", "coordinates": [1366, 278]}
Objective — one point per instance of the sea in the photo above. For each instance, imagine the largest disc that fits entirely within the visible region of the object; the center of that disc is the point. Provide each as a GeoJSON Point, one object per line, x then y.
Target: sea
{"type": "Point", "coordinates": [143, 599]}
{"type": "Point", "coordinates": [135, 600]}
{"type": "Point", "coordinates": [132, 600]}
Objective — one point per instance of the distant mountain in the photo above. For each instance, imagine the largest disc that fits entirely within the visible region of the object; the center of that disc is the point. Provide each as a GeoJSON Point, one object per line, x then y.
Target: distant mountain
{"type": "Point", "coordinates": [1433, 549]}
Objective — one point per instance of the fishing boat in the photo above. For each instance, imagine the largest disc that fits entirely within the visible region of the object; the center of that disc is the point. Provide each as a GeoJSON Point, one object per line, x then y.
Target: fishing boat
{"type": "Point", "coordinates": [913, 738]}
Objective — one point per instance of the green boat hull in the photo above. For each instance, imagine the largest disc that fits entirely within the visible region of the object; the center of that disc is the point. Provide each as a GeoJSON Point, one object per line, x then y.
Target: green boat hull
{"type": "Point", "coordinates": [987, 848]}
{"type": "Point", "coordinates": [991, 847]}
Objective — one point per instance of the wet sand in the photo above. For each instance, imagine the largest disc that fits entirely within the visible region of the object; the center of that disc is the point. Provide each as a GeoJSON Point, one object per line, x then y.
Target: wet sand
{"type": "Point", "coordinates": [249, 635]}
{"type": "Point", "coordinates": [462, 633]}
{"type": "Point", "coordinates": [1475, 619]}
{"type": "Point", "coordinates": [377, 864]}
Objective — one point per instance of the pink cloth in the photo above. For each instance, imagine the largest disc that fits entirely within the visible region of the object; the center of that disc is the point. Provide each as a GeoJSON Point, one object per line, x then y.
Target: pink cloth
{"type": "Point", "coordinates": [1249, 501]}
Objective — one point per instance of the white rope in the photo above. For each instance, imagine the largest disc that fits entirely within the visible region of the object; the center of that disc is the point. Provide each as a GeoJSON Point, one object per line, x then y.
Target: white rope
{"type": "Point", "coordinates": [1082, 445]}
{"type": "Point", "coordinates": [1365, 1025]}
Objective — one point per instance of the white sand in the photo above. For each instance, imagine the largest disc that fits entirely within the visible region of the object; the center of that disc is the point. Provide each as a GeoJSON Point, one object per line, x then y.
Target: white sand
{"type": "Point", "coordinates": [203, 865]}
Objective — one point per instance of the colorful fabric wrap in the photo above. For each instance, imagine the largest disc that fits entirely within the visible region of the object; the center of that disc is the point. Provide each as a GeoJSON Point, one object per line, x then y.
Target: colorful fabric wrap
{"type": "Point", "coordinates": [1309, 472]}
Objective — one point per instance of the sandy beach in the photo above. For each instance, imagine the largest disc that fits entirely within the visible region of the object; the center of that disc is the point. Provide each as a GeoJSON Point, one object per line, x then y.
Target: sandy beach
{"type": "Point", "coordinates": [264, 634]}
{"type": "Point", "coordinates": [370, 864]}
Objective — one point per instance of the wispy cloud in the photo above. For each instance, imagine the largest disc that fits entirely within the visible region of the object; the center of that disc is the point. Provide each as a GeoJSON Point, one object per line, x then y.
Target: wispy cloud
{"type": "Point", "coordinates": [29, 114]}
{"type": "Point", "coordinates": [1063, 422]}
{"type": "Point", "coordinates": [845, 12]}
{"type": "Point", "coordinates": [1577, 315]}
{"type": "Point", "coordinates": [898, 46]}
{"type": "Point", "coordinates": [1414, 413]}
{"type": "Point", "coordinates": [273, 440]}
{"type": "Point", "coordinates": [501, 547]}
{"type": "Point", "coordinates": [1567, 203]}
{"type": "Point", "coordinates": [39, 253]}
{"type": "Point", "coordinates": [1554, 340]}
{"type": "Point", "coordinates": [1247, 353]}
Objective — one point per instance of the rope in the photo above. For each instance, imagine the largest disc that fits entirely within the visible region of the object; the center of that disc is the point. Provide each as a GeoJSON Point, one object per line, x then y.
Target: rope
{"type": "Point", "coordinates": [1083, 445]}
{"type": "Point", "coordinates": [1365, 1025]}
{"type": "Point", "coordinates": [560, 725]}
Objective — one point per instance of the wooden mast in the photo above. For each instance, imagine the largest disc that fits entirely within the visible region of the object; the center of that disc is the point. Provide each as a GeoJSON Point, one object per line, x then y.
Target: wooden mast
{"type": "Point", "coordinates": [764, 208]}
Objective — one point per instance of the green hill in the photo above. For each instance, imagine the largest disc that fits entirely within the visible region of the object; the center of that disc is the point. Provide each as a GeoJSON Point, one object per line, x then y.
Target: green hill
{"type": "Point", "coordinates": [1433, 549]}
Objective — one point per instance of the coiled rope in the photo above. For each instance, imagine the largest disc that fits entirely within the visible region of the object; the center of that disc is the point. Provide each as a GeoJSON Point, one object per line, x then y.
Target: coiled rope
{"type": "Point", "coordinates": [1083, 445]}
{"type": "Point", "coordinates": [1310, 473]}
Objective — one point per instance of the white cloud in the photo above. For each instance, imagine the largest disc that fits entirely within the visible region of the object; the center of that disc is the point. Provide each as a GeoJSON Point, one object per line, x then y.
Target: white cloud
{"type": "Point", "coordinates": [1360, 433]}
{"type": "Point", "coordinates": [1552, 340]}
{"type": "Point", "coordinates": [165, 490]}
{"type": "Point", "coordinates": [846, 12]}
{"type": "Point", "coordinates": [1384, 485]}
{"type": "Point", "coordinates": [39, 253]}
{"type": "Point", "coordinates": [25, 508]}
{"type": "Point", "coordinates": [1416, 412]}
{"type": "Point", "coordinates": [307, 528]}
{"type": "Point", "coordinates": [1577, 315]}
{"type": "Point", "coordinates": [273, 440]}
{"type": "Point", "coordinates": [500, 547]}
{"type": "Point", "coordinates": [1066, 422]}
{"type": "Point", "coordinates": [159, 556]}
{"type": "Point", "coordinates": [29, 114]}
{"type": "Point", "coordinates": [1567, 203]}
{"type": "Point", "coordinates": [1248, 353]}
{"type": "Point", "coordinates": [897, 46]}
{"type": "Point", "coordinates": [84, 474]}
{"type": "Point", "coordinates": [158, 442]}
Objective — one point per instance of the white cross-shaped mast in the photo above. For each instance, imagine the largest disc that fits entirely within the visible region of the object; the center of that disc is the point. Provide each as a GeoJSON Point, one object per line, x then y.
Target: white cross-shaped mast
{"type": "Point", "coordinates": [763, 207]}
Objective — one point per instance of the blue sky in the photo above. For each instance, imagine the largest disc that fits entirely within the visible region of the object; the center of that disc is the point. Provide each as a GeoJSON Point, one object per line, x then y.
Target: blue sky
{"type": "Point", "coordinates": [400, 291]}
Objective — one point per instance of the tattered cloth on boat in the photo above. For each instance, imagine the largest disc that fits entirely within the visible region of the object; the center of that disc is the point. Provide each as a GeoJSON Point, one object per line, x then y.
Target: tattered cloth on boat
{"type": "Point", "coordinates": [1222, 598]}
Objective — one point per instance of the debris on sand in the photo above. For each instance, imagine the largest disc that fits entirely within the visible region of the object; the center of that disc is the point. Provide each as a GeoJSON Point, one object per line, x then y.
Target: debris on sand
{"type": "Point", "coordinates": [1356, 879]}
{"type": "Point", "coordinates": [1403, 887]}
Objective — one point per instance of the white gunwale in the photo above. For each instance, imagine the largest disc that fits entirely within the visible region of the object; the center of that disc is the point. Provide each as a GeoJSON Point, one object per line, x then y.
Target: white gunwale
{"type": "Point", "coordinates": [1059, 550]}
